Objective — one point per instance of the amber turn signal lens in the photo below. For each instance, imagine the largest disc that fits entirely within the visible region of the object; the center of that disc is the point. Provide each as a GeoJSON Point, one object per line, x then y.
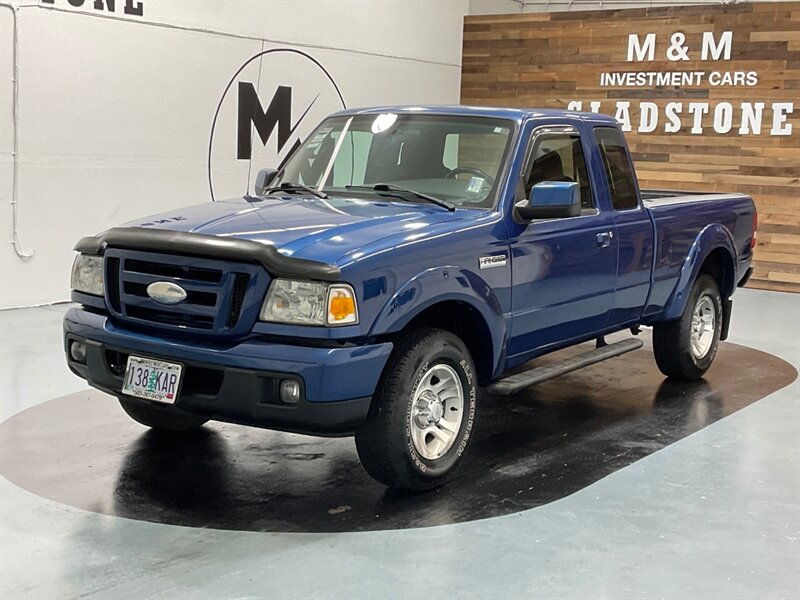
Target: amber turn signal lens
{"type": "Point", "coordinates": [342, 305]}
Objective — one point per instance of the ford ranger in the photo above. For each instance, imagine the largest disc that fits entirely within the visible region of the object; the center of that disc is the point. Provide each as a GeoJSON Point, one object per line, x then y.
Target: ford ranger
{"type": "Point", "coordinates": [399, 259]}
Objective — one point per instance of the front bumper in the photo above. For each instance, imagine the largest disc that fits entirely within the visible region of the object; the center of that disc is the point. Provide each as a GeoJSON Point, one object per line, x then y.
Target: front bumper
{"type": "Point", "coordinates": [239, 381]}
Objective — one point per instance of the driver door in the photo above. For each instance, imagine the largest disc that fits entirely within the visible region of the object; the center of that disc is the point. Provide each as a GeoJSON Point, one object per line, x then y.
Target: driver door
{"type": "Point", "coordinates": [563, 269]}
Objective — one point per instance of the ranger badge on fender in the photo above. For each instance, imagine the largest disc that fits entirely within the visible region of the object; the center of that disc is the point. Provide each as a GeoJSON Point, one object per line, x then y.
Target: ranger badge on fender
{"type": "Point", "coordinates": [498, 260]}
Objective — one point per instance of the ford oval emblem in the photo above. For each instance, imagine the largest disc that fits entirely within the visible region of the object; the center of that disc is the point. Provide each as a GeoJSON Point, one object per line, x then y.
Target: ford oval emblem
{"type": "Point", "coordinates": [166, 292]}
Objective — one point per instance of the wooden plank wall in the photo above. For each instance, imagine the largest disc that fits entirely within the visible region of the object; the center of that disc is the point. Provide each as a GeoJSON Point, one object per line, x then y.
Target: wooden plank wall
{"type": "Point", "coordinates": [551, 59]}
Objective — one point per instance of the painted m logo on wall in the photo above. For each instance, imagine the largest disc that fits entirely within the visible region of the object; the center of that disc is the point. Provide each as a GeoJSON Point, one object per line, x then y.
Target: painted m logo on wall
{"type": "Point", "coordinates": [278, 114]}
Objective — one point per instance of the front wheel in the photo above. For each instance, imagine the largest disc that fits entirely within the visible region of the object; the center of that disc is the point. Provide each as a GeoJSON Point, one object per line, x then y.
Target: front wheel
{"type": "Point", "coordinates": [159, 419]}
{"type": "Point", "coordinates": [684, 349]}
{"type": "Point", "coordinates": [422, 415]}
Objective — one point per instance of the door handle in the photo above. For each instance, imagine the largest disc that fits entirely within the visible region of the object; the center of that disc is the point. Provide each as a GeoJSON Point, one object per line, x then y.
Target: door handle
{"type": "Point", "coordinates": [604, 239]}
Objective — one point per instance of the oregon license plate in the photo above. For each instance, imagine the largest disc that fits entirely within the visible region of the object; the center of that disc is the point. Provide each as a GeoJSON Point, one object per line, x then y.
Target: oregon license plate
{"type": "Point", "coordinates": [152, 379]}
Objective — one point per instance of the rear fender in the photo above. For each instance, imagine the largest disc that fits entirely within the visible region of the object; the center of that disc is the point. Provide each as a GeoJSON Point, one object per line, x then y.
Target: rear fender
{"type": "Point", "coordinates": [442, 284]}
{"type": "Point", "coordinates": [709, 239]}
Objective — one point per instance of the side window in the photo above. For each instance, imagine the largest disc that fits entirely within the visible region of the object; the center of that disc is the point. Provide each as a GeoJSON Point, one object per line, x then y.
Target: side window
{"type": "Point", "coordinates": [617, 167]}
{"type": "Point", "coordinates": [560, 157]}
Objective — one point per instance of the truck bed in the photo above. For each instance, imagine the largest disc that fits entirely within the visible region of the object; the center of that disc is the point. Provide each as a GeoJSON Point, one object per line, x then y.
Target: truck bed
{"type": "Point", "coordinates": [678, 218]}
{"type": "Point", "coordinates": [673, 195]}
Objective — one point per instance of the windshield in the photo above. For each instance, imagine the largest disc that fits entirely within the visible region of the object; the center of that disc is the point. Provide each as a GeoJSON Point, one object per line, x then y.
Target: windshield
{"type": "Point", "coordinates": [452, 158]}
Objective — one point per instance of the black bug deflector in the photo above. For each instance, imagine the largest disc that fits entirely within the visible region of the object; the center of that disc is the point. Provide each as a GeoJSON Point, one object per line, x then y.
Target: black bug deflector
{"type": "Point", "coordinates": [209, 246]}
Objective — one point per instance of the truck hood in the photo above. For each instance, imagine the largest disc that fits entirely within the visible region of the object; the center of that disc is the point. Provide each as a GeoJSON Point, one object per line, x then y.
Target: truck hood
{"type": "Point", "coordinates": [306, 227]}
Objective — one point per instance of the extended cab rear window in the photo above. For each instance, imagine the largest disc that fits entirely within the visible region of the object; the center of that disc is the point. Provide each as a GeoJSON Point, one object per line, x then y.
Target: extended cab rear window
{"type": "Point", "coordinates": [617, 166]}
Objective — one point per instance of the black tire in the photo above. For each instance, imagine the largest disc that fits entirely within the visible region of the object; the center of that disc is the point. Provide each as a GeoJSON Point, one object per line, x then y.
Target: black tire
{"type": "Point", "coordinates": [385, 443]}
{"type": "Point", "coordinates": [672, 340]}
{"type": "Point", "coordinates": [158, 418]}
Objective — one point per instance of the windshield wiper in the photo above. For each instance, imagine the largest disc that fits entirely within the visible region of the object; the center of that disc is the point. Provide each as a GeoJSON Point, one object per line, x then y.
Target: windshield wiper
{"type": "Point", "coordinates": [395, 190]}
{"type": "Point", "coordinates": [288, 186]}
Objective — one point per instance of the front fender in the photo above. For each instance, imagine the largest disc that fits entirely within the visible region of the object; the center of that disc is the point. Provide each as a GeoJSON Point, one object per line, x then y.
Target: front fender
{"type": "Point", "coordinates": [709, 239]}
{"type": "Point", "coordinates": [443, 284]}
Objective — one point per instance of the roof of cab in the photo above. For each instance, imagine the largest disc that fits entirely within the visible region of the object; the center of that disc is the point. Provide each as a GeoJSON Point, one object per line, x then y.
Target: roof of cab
{"type": "Point", "coordinates": [514, 114]}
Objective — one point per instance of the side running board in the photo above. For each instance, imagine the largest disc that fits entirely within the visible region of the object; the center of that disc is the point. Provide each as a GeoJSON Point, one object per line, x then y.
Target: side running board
{"type": "Point", "coordinates": [514, 383]}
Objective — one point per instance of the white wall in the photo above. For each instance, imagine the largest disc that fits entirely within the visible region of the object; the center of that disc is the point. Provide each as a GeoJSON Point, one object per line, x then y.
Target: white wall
{"type": "Point", "coordinates": [115, 110]}
{"type": "Point", "coordinates": [489, 7]}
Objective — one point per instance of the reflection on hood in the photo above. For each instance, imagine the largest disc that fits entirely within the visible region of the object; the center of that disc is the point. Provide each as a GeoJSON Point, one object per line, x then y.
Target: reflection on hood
{"type": "Point", "coordinates": [308, 227]}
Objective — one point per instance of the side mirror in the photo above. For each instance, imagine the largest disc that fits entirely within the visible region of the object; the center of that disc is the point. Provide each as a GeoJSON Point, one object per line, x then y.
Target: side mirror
{"type": "Point", "coordinates": [263, 180]}
{"type": "Point", "coordinates": [551, 200]}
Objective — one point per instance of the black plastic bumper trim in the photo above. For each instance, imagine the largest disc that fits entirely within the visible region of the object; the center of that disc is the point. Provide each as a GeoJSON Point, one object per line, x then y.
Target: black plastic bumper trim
{"type": "Point", "coordinates": [245, 396]}
{"type": "Point", "coordinates": [743, 281]}
{"type": "Point", "coordinates": [727, 310]}
{"type": "Point", "coordinates": [209, 246]}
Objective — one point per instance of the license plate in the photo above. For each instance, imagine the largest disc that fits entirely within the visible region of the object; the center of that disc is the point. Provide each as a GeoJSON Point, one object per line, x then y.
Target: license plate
{"type": "Point", "coordinates": [152, 379]}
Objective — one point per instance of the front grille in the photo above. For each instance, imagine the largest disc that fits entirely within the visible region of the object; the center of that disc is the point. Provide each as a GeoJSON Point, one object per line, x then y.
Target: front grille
{"type": "Point", "coordinates": [169, 317]}
{"type": "Point", "coordinates": [167, 270]}
{"type": "Point", "coordinates": [112, 282]}
{"type": "Point", "coordinates": [222, 297]}
{"type": "Point", "coordinates": [140, 289]}
{"type": "Point", "coordinates": [237, 297]}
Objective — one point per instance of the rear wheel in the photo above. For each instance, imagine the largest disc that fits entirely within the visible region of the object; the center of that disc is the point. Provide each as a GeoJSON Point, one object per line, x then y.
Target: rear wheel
{"type": "Point", "coordinates": [684, 349]}
{"type": "Point", "coordinates": [422, 415]}
{"type": "Point", "coordinates": [158, 418]}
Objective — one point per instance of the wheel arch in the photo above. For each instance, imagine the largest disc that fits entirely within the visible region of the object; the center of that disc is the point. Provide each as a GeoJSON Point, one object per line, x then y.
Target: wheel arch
{"type": "Point", "coordinates": [711, 253]}
{"type": "Point", "coordinates": [461, 319]}
{"type": "Point", "coordinates": [456, 300]}
{"type": "Point", "coordinates": [720, 265]}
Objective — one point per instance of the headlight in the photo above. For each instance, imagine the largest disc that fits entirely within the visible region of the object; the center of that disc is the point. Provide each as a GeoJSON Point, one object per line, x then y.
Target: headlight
{"type": "Point", "coordinates": [87, 274]}
{"type": "Point", "coordinates": [310, 303]}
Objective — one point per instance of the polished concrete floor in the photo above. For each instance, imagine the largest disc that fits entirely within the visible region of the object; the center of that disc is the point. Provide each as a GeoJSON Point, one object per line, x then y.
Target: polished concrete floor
{"type": "Point", "coordinates": [664, 493]}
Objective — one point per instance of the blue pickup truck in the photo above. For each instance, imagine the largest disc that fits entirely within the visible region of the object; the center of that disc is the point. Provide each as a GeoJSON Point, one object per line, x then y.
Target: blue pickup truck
{"type": "Point", "coordinates": [399, 259]}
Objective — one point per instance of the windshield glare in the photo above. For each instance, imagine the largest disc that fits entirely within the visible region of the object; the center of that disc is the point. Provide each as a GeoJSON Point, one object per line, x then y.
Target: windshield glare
{"type": "Point", "coordinates": [454, 158]}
